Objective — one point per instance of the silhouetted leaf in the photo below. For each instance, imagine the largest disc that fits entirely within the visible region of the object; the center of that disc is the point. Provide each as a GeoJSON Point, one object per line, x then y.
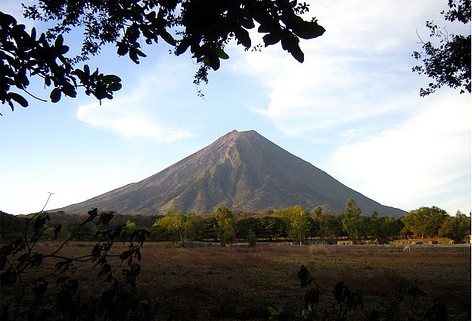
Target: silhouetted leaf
{"type": "Point", "coordinates": [247, 23]}
{"type": "Point", "coordinates": [341, 292]}
{"type": "Point", "coordinates": [182, 46]}
{"type": "Point", "coordinates": [114, 86]}
{"type": "Point", "coordinates": [59, 41]}
{"type": "Point", "coordinates": [55, 95]}
{"type": "Point", "coordinates": [92, 214]}
{"type": "Point", "coordinates": [69, 90]}
{"type": "Point", "coordinates": [221, 54]}
{"type": "Point", "coordinates": [308, 30]}
{"type": "Point", "coordinates": [213, 61]}
{"type": "Point", "coordinates": [105, 217]}
{"type": "Point", "coordinates": [290, 43]}
{"type": "Point", "coordinates": [243, 37]}
{"type": "Point", "coordinates": [111, 79]}
{"type": "Point", "coordinates": [167, 37]}
{"type": "Point", "coordinates": [19, 99]}
{"type": "Point", "coordinates": [122, 48]}
{"type": "Point", "coordinates": [271, 38]}
{"type": "Point", "coordinates": [312, 298]}
{"type": "Point", "coordinates": [304, 276]}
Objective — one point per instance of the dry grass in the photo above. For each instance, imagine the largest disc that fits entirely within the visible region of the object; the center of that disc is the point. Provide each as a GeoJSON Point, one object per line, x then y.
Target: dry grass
{"type": "Point", "coordinates": [243, 282]}
{"type": "Point", "coordinates": [205, 283]}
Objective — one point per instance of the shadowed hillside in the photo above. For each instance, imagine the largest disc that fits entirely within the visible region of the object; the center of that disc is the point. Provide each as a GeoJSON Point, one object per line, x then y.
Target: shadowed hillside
{"type": "Point", "coordinates": [241, 170]}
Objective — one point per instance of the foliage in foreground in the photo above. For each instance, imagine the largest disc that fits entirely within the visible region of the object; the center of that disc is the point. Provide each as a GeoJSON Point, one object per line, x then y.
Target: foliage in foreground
{"type": "Point", "coordinates": [201, 27]}
{"type": "Point", "coordinates": [38, 286]}
{"type": "Point", "coordinates": [445, 58]}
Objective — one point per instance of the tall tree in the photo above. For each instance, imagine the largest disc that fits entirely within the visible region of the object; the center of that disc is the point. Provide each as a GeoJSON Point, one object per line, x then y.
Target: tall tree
{"type": "Point", "coordinates": [435, 218]}
{"type": "Point", "coordinates": [352, 221]}
{"type": "Point", "coordinates": [424, 222]}
{"type": "Point", "coordinates": [226, 225]}
{"type": "Point", "coordinates": [446, 57]}
{"type": "Point", "coordinates": [203, 27]}
{"type": "Point", "coordinates": [456, 228]}
{"type": "Point", "coordinates": [297, 223]}
{"type": "Point", "coordinates": [384, 229]}
{"type": "Point", "coordinates": [329, 225]}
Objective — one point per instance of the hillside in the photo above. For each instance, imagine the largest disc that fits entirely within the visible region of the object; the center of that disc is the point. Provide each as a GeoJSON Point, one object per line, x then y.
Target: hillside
{"type": "Point", "coordinates": [241, 170]}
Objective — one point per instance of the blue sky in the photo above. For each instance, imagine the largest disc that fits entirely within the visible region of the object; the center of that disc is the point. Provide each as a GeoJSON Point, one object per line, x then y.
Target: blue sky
{"type": "Point", "coordinates": [352, 109]}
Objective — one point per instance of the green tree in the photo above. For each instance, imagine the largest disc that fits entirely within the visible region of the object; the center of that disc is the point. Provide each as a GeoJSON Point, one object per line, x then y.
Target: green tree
{"type": "Point", "coordinates": [273, 227]}
{"type": "Point", "coordinates": [252, 238]}
{"type": "Point", "coordinates": [446, 57]}
{"type": "Point", "coordinates": [456, 228]}
{"type": "Point", "coordinates": [179, 227]}
{"type": "Point", "coordinates": [247, 224]}
{"type": "Point", "coordinates": [384, 229]}
{"type": "Point", "coordinates": [332, 226]}
{"type": "Point", "coordinates": [297, 223]}
{"type": "Point", "coordinates": [226, 225]}
{"type": "Point", "coordinates": [424, 222]}
{"type": "Point", "coordinates": [313, 227]}
{"type": "Point", "coordinates": [352, 221]}
{"type": "Point", "coordinates": [203, 27]}
{"type": "Point", "coordinates": [329, 226]}
{"type": "Point", "coordinates": [434, 220]}
{"type": "Point", "coordinates": [195, 226]}
{"type": "Point", "coordinates": [210, 227]}
{"type": "Point", "coordinates": [413, 223]}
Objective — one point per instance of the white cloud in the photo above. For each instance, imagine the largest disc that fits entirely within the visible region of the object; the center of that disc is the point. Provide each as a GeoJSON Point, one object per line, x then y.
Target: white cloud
{"type": "Point", "coordinates": [351, 74]}
{"type": "Point", "coordinates": [122, 118]}
{"type": "Point", "coordinates": [424, 161]}
{"type": "Point", "coordinates": [141, 110]}
{"type": "Point", "coordinates": [330, 93]}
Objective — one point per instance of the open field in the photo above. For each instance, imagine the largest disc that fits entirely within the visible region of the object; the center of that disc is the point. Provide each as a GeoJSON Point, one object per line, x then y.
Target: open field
{"type": "Point", "coordinates": [213, 283]}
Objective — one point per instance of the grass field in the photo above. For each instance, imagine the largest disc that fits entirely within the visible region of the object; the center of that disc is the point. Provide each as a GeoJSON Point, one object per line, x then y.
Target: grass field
{"type": "Point", "coordinates": [216, 283]}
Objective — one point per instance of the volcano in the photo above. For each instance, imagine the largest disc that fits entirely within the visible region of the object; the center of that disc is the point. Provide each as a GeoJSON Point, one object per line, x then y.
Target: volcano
{"type": "Point", "coordinates": [242, 171]}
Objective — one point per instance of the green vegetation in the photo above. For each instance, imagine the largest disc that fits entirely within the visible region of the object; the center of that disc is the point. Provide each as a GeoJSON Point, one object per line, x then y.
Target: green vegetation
{"type": "Point", "coordinates": [293, 224]}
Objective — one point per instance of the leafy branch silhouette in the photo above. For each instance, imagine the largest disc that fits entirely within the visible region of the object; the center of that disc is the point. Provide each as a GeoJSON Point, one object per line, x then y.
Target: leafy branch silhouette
{"type": "Point", "coordinates": [43, 286]}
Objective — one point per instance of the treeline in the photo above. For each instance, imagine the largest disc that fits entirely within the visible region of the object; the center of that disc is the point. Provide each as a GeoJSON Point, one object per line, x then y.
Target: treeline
{"type": "Point", "coordinates": [295, 224]}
